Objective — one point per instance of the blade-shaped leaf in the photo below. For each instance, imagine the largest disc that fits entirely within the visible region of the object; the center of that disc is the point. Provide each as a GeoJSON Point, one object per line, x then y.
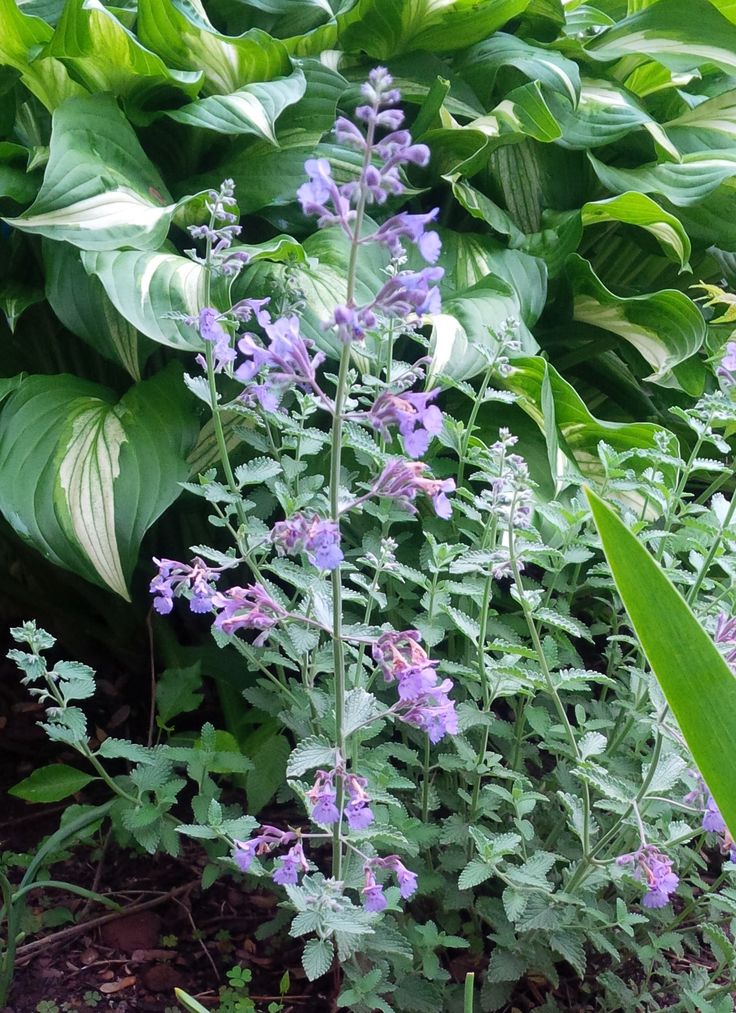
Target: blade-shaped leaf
{"type": "Point", "coordinates": [480, 66]}
{"type": "Point", "coordinates": [83, 477]}
{"type": "Point", "coordinates": [253, 109]}
{"type": "Point", "coordinates": [99, 190]}
{"type": "Point", "coordinates": [695, 679]}
{"type": "Point", "coordinates": [683, 183]}
{"type": "Point", "coordinates": [640, 210]}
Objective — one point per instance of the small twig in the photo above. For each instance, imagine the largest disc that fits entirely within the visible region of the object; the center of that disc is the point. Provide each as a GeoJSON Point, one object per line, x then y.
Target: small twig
{"type": "Point", "coordinates": [152, 662]}
{"type": "Point", "coordinates": [95, 888]}
{"type": "Point", "coordinates": [75, 930]}
{"type": "Point", "coordinates": [196, 935]}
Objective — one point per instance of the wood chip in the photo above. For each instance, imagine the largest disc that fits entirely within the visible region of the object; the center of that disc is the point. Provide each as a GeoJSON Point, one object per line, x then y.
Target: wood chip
{"type": "Point", "coordinates": [111, 987]}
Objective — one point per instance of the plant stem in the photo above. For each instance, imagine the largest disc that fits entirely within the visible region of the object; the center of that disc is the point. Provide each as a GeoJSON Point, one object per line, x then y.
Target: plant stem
{"type": "Point", "coordinates": [465, 441]}
{"type": "Point", "coordinates": [8, 957]}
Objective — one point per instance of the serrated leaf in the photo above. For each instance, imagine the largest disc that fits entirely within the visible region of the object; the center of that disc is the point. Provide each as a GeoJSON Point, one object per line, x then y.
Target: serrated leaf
{"type": "Point", "coordinates": [360, 707]}
{"type": "Point", "coordinates": [310, 753]}
{"type": "Point", "coordinates": [561, 621]}
{"type": "Point", "coordinates": [475, 872]}
{"type": "Point", "coordinates": [317, 958]}
{"type": "Point", "coordinates": [467, 626]}
{"type": "Point", "coordinates": [514, 903]}
{"type": "Point", "coordinates": [257, 471]}
{"type": "Point", "coordinates": [592, 744]}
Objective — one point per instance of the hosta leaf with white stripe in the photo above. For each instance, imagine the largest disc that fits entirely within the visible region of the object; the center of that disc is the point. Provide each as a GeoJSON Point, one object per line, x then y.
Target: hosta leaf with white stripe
{"type": "Point", "coordinates": [20, 40]}
{"type": "Point", "coordinates": [100, 191]}
{"type": "Point", "coordinates": [183, 35]}
{"type": "Point", "coordinates": [665, 327]}
{"type": "Point", "coordinates": [640, 210]}
{"type": "Point", "coordinates": [554, 72]}
{"type": "Point", "coordinates": [252, 109]}
{"type": "Point", "coordinates": [683, 183]}
{"type": "Point", "coordinates": [83, 476]}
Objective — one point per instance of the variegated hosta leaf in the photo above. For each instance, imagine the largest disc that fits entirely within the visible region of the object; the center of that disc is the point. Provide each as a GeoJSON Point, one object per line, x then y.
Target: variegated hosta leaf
{"type": "Point", "coordinates": [666, 327]}
{"type": "Point", "coordinates": [562, 411]}
{"type": "Point", "coordinates": [99, 191]}
{"type": "Point", "coordinates": [182, 34]}
{"type": "Point", "coordinates": [709, 124]}
{"type": "Point", "coordinates": [105, 56]}
{"type": "Point", "coordinates": [640, 210]}
{"type": "Point", "coordinates": [82, 477]}
{"type": "Point", "coordinates": [20, 38]}
{"type": "Point", "coordinates": [144, 287]}
{"type": "Point", "coordinates": [681, 34]}
{"type": "Point", "coordinates": [252, 109]}
{"type": "Point", "coordinates": [682, 183]}
{"type": "Point", "coordinates": [79, 301]}
{"type": "Point", "coordinates": [555, 73]}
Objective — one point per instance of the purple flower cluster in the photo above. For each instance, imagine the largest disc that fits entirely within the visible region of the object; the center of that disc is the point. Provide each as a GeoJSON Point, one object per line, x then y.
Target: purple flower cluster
{"type": "Point", "coordinates": [319, 538]}
{"type": "Point", "coordinates": [727, 367]}
{"type": "Point", "coordinates": [373, 895]}
{"type": "Point", "coordinates": [174, 578]}
{"type": "Point", "coordinates": [289, 865]}
{"type": "Point", "coordinates": [247, 608]}
{"type": "Point", "coordinates": [406, 294]}
{"type": "Point", "coordinates": [725, 638]}
{"type": "Point", "coordinates": [712, 822]}
{"type": "Point", "coordinates": [220, 232]}
{"type": "Point", "coordinates": [323, 795]}
{"type": "Point", "coordinates": [423, 700]}
{"type": "Point", "coordinates": [654, 869]}
{"type": "Point", "coordinates": [404, 480]}
{"type": "Point", "coordinates": [416, 419]}
{"type": "Point", "coordinates": [287, 360]}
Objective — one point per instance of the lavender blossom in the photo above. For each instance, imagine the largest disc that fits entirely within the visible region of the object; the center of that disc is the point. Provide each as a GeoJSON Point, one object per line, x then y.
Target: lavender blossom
{"type": "Point", "coordinates": [291, 864]}
{"type": "Point", "coordinates": [269, 838]}
{"type": "Point", "coordinates": [712, 820]}
{"type": "Point", "coordinates": [287, 359]}
{"type": "Point", "coordinates": [725, 637]}
{"type": "Point", "coordinates": [654, 869]}
{"type": "Point", "coordinates": [322, 795]}
{"type": "Point", "coordinates": [373, 897]}
{"type": "Point", "coordinates": [176, 578]}
{"type": "Point", "coordinates": [319, 538]}
{"type": "Point", "coordinates": [417, 420]}
{"type": "Point", "coordinates": [727, 367]}
{"type": "Point", "coordinates": [357, 812]}
{"type": "Point", "coordinates": [212, 331]}
{"type": "Point", "coordinates": [247, 608]}
{"type": "Point", "coordinates": [404, 480]}
{"type": "Point", "coordinates": [410, 292]}
{"type": "Point", "coordinates": [424, 701]}
{"type": "Point", "coordinates": [219, 233]}
{"type": "Point", "coordinates": [413, 228]}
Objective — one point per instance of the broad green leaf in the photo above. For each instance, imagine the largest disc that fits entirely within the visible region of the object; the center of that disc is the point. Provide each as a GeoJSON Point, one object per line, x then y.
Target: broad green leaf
{"type": "Point", "coordinates": [16, 182]}
{"type": "Point", "coordinates": [638, 209]}
{"type": "Point", "coordinates": [478, 205]}
{"type": "Point", "coordinates": [79, 301]}
{"type": "Point", "coordinates": [99, 190]}
{"type": "Point", "coordinates": [178, 692]}
{"type": "Point", "coordinates": [144, 287]}
{"type": "Point", "coordinates": [710, 124]}
{"type": "Point", "coordinates": [524, 112]}
{"type": "Point", "coordinates": [683, 183]}
{"type": "Point", "coordinates": [268, 773]}
{"type": "Point", "coordinates": [252, 109]}
{"type": "Point", "coordinates": [182, 34]}
{"type": "Point", "coordinates": [695, 679]}
{"type": "Point", "coordinates": [554, 72]}
{"type": "Point", "coordinates": [665, 327]}
{"type": "Point", "coordinates": [317, 957]}
{"type": "Point", "coordinates": [20, 39]}
{"type": "Point", "coordinates": [681, 34]}
{"type": "Point", "coordinates": [51, 784]}
{"type": "Point", "coordinates": [580, 431]}
{"type": "Point", "coordinates": [83, 477]}
{"type": "Point", "coordinates": [15, 298]}
{"type": "Point", "coordinates": [604, 114]}
{"type": "Point", "coordinates": [105, 56]}
{"type": "Point", "coordinates": [384, 28]}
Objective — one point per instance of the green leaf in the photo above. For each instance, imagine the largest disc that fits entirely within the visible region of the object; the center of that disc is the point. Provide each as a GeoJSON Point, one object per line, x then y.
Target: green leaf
{"type": "Point", "coordinates": [146, 287]}
{"type": "Point", "coordinates": [637, 209]}
{"type": "Point", "coordinates": [681, 34]}
{"type": "Point", "coordinates": [666, 327]}
{"type": "Point", "coordinates": [178, 692]}
{"type": "Point", "coordinates": [83, 477]}
{"type": "Point", "coordinates": [50, 784]}
{"type": "Point", "coordinates": [15, 299]}
{"type": "Point", "coordinates": [181, 33]}
{"type": "Point", "coordinates": [79, 301]}
{"type": "Point", "coordinates": [99, 190]}
{"type": "Point", "coordinates": [475, 872]}
{"type": "Point", "coordinates": [695, 679]}
{"type": "Point", "coordinates": [268, 773]}
{"type": "Point", "coordinates": [16, 182]}
{"type": "Point", "coordinates": [683, 183]}
{"type": "Point", "coordinates": [555, 73]}
{"type": "Point", "coordinates": [106, 57]}
{"type": "Point", "coordinates": [252, 109]}
{"type": "Point", "coordinates": [20, 41]}
{"type": "Point", "coordinates": [309, 753]}
{"type": "Point", "coordinates": [190, 1004]}
{"type": "Point", "coordinates": [317, 958]}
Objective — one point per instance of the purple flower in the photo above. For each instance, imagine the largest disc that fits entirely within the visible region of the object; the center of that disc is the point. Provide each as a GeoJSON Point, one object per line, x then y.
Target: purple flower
{"type": "Point", "coordinates": [712, 819]}
{"type": "Point", "coordinates": [725, 637]}
{"type": "Point", "coordinates": [410, 292]}
{"type": "Point", "coordinates": [352, 322]}
{"type": "Point", "coordinates": [321, 196]}
{"type": "Point", "coordinates": [175, 578]}
{"type": "Point", "coordinates": [247, 608]}
{"type": "Point", "coordinates": [292, 863]}
{"type": "Point", "coordinates": [654, 869]}
{"type": "Point", "coordinates": [319, 538]}
{"type": "Point", "coordinates": [412, 227]}
{"type": "Point", "coordinates": [285, 361]}
{"type": "Point", "coordinates": [212, 331]}
{"type": "Point", "coordinates": [269, 838]}
{"type": "Point", "coordinates": [222, 206]}
{"type": "Point", "coordinates": [713, 822]}
{"type": "Point", "coordinates": [417, 420]}
{"type": "Point", "coordinates": [357, 812]}
{"type": "Point", "coordinates": [727, 366]}
{"type": "Point", "coordinates": [374, 899]}
{"type": "Point", "coordinates": [424, 702]}
{"type": "Point", "coordinates": [404, 480]}
{"type": "Point", "coordinates": [322, 796]}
